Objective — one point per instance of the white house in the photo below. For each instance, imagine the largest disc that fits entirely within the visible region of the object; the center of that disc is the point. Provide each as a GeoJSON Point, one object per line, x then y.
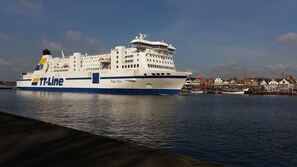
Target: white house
{"type": "Point", "coordinates": [226, 83]}
{"type": "Point", "coordinates": [264, 83]}
{"type": "Point", "coordinates": [273, 85]}
{"type": "Point", "coordinates": [195, 82]}
{"type": "Point", "coordinates": [188, 82]}
{"type": "Point", "coordinates": [218, 81]}
{"type": "Point", "coordinates": [285, 85]}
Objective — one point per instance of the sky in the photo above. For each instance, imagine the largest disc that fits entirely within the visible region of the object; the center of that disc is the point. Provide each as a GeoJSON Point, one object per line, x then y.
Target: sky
{"type": "Point", "coordinates": [213, 38]}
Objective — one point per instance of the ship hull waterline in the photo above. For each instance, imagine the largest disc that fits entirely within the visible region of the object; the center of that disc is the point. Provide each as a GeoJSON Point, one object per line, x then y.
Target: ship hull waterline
{"type": "Point", "coordinates": [156, 86]}
{"type": "Point", "coordinates": [107, 91]}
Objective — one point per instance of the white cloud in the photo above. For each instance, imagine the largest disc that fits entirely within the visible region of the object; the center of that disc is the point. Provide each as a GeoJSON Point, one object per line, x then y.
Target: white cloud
{"type": "Point", "coordinates": [76, 41]}
{"type": "Point", "coordinates": [277, 70]}
{"type": "Point", "coordinates": [9, 71]}
{"type": "Point", "coordinates": [4, 37]}
{"type": "Point", "coordinates": [8, 67]}
{"type": "Point", "coordinates": [46, 44]}
{"type": "Point", "coordinates": [232, 68]}
{"type": "Point", "coordinates": [32, 5]}
{"type": "Point", "coordinates": [278, 67]}
{"type": "Point", "coordinates": [83, 42]}
{"type": "Point", "coordinates": [73, 36]}
{"type": "Point", "coordinates": [289, 38]}
{"type": "Point", "coordinates": [93, 41]}
{"type": "Point", "coordinates": [228, 70]}
{"type": "Point", "coordinates": [4, 63]}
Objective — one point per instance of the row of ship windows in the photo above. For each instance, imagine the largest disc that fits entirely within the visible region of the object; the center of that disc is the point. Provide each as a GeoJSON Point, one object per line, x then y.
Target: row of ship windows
{"type": "Point", "coordinates": [127, 52]}
{"type": "Point", "coordinates": [93, 58]}
{"type": "Point", "coordinates": [83, 61]}
{"type": "Point", "coordinates": [89, 61]}
{"type": "Point", "coordinates": [166, 58]}
{"type": "Point", "coordinates": [127, 61]}
{"type": "Point", "coordinates": [129, 66]}
{"type": "Point", "coordinates": [128, 56]}
{"type": "Point", "coordinates": [160, 66]}
{"type": "Point", "coordinates": [154, 74]}
{"type": "Point", "coordinates": [89, 65]}
{"type": "Point", "coordinates": [93, 69]}
{"type": "Point", "coordinates": [159, 61]}
{"type": "Point", "coordinates": [160, 74]}
{"type": "Point", "coordinates": [63, 70]}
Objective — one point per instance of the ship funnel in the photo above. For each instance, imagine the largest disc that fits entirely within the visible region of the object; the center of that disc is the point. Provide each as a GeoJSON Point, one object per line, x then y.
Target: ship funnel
{"type": "Point", "coordinates": [46, 52]}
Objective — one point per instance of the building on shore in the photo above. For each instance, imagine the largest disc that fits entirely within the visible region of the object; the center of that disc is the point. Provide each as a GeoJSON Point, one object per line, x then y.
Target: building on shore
{"type": "Point", "coordinates": [7, 85]}
{"type": "Point", "coordinates": [257, 84]}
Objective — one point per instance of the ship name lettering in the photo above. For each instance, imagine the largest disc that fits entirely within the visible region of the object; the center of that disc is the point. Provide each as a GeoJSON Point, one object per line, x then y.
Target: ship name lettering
{"type": "Point", "coordinates": [51, 81]}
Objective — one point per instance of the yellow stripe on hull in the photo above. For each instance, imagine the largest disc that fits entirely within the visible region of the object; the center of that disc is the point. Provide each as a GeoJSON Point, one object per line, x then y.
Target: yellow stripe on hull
{"type": "Point", "coordinates": [36, 79]}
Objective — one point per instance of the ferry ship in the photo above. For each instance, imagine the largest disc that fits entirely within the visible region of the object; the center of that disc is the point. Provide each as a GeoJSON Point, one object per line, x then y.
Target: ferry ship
{"type": "Point", "coordinates": [146, 67]}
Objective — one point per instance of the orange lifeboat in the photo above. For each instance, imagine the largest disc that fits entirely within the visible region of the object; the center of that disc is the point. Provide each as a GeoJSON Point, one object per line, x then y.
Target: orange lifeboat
{"type": "Point", "coordinates": [104, 59]}
{"type": "Point", "coordinates": [65, 66]}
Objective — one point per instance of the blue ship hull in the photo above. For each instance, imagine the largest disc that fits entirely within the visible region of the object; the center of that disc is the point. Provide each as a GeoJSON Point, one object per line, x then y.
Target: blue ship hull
{"type": "Point", "coordinates": [108, 90]}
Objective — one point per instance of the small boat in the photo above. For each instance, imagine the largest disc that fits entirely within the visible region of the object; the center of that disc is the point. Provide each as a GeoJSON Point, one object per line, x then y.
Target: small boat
{"type": "Point", "coordinates": [236, 92]}
{"type": "Point", "coordinates": [104, 59]}
{"type": "Point", "coordinates": [65, 66]}
{"type": "Point", "coordinates": [197, 91]}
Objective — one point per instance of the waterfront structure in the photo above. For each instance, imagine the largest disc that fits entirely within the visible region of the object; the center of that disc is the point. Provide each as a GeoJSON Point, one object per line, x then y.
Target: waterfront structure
{"type": "Point", "coordinates": [273, 85]}
{"type": "Point", "coordinates": [202, 82]}
{"type": "Point", "coordinates": [7, 85]}
{"type": "Point", "coordinates": [283, 85]}
{"type": "Point", "coordinates": [210, 82]}
{"type": "Point", "coordinates": [265, 84]}
{"type": "Point", "coordinates": [226, 83]}
{"type": "Point", "coordinates": [187, 84]}
{"type": "Point", "coordinates": [147, 67]}
{"type": "Point", "coordinates": [256, 85]}
{"type": "Point", "coordinates": [218, 83]}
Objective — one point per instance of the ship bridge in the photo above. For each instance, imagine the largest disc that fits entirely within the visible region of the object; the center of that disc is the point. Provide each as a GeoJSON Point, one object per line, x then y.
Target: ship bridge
{"type": "Point", "coordinates": [141, 43]}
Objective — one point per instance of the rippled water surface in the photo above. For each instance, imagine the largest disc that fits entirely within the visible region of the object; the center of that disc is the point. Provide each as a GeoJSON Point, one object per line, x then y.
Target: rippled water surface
{"type": "Point", "coordinates": [232, 130]}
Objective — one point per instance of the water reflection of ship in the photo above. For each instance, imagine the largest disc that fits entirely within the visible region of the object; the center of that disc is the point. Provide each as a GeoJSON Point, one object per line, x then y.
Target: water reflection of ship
{"type": "Point", "coordinates": [139, 119]}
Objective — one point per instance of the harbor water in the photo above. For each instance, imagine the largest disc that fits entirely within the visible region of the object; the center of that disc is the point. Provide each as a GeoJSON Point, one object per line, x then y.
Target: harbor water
{"type": "Point", "coordinates": [228, 129]}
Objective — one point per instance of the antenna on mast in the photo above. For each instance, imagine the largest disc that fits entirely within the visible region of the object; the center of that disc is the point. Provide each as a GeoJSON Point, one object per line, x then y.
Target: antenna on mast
{"type": "Point", "coordinates": [62, 54]}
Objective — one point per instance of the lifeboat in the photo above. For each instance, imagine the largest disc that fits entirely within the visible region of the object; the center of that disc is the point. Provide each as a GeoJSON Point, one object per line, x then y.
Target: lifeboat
{"type": "Point", "coordinates": [104, 59]}
{"type": "Point", "coordinates": [65, 66]}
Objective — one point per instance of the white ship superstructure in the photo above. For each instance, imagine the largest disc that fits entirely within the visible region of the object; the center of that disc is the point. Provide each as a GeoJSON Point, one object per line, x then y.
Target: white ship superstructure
{"type": "Point", "coordinates": [146, 67]}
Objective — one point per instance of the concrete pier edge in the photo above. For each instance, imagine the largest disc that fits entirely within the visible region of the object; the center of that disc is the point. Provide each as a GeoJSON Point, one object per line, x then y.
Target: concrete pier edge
{"type": "Point", "coordinates": [30, 142]}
